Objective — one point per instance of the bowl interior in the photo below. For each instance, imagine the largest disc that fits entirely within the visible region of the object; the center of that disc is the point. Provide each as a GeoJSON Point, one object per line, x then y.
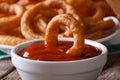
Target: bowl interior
{"type": "Point", "coordinates": [21, 46]}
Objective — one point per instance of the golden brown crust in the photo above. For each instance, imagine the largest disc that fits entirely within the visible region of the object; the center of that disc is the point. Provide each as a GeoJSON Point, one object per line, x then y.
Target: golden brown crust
{"type": "Point", "coordinates": [39, 8]}
{"type": "Point", "coordinates": [73, 26]}
{"type": "Point", "coordinates": [13, 20]}
{"type": "Point", "coordinates": [11, 40]}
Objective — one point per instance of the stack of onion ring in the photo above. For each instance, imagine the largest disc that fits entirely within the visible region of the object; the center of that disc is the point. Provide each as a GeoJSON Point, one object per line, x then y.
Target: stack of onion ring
{"type": "Point", "coordinates": [49, 9]}
{"type": "Point", "coordinates": [22, 20]}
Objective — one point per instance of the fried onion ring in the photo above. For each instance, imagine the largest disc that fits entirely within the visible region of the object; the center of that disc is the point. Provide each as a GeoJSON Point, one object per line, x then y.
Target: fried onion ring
{"type": "Point", "coordinates": [73, 25]}
{"type": "Point", "coordinates": [13, 19]}
{"type": "Point", "coordinates": [40, 8]}
{"type": "Point", "coordinates": [97, 15]}
{"type": "Point", "coordinates": [41, 22]}
{"type": "Point", "coordinates": [87, 9]}
{"type": "Point", "coordinates": [9, 1]}
{"type": "Point", "coordinates": [100, 25]}
{"type": "Point", "coordinates": [95, 35]}
{"type": "Point", "coordinates": [28, 3]}
{"type": "Point", "coordinates": [10, 40]}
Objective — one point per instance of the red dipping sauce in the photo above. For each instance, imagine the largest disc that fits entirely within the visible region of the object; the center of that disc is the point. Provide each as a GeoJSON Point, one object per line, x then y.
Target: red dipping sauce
{"type": "Point", "coordinates": [38, 51]}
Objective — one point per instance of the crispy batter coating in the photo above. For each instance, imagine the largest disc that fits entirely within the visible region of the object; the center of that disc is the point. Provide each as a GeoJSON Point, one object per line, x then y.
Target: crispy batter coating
{"type": "Point", "coordinates": [74, 27]}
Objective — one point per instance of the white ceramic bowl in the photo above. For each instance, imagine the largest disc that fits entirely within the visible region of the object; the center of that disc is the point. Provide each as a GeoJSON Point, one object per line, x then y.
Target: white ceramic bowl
{"type": "Point", "coordinates": [86, 69]}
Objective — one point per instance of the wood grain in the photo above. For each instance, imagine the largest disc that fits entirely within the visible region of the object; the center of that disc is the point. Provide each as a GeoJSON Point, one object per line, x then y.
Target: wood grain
{"type": "Point", "coordinates": [5, 67]}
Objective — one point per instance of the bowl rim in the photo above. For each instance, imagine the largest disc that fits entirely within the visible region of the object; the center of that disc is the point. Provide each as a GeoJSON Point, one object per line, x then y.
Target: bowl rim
{"type": "Point", "coordinates": [103, 48]}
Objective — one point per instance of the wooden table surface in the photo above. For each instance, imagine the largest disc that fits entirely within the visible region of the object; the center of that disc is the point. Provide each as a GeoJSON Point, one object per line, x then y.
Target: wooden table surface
{"type": "Point", "coordinates": [111, 70]}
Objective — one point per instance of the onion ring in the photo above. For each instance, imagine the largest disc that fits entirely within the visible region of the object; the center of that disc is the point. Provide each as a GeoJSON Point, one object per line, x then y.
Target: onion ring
{"type": "Point", "coordinates": [100, 25]}
{"type": "Point", "coordinates": [41, 7]}
{"type": "Point", "coordinates": [10, 40]}
{"type": "Point", "coordinates": [9, 1]}
{"type": "Point", "coordinates": [13, 20]}
{"type": "Point", "coordinates": [95, 35]}
{"type": "Point", "coordinates": [73, 25]}
{"type": "Point", "coordinates": [13, 32]}
{"type": "Point", "coordinates": [98, 15]}
{"type": "Point", "coordinates": [98, 34]}
{"type": "Point", "coordinates": [39, 21]}
{"type": "Point", "coordinates": [87, 9]}
{"type": "Point", "coordinates": [28, 3]}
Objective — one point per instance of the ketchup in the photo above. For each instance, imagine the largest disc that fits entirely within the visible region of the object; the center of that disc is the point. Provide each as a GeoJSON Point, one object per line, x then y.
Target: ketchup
{"type": "Point", "coordinates": [38, 51]}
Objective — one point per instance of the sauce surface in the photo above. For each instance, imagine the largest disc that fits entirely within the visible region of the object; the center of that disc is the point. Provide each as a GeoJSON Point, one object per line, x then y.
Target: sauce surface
{"type": "Point", "coordinates": [38, 51]}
